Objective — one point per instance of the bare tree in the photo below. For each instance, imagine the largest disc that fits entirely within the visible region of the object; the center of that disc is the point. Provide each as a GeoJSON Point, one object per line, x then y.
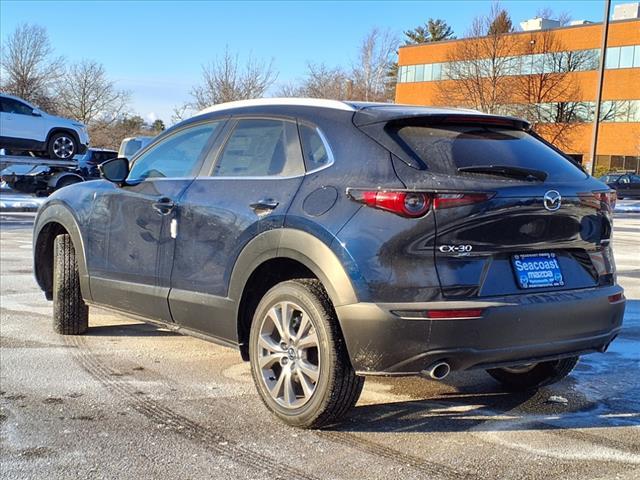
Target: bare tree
{"type": "Point", "coordinates": [370, 73]}
{"type": "Point", "coordinates": [28, 67]}
{"type": "Point", "coordinates": [320, 81]}
{"type": "Point", "coordinates": [480, 66]}
{"type": "Point", "coordinates": [225, 80]}
{"type": "Point", "coordinates": [547, 92]}
{"type": "Point", "coordinates": [88, 95]}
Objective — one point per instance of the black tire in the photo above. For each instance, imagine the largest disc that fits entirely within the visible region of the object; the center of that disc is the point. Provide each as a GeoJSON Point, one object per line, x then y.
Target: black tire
{"type": "Point", "coordinates": [70, 313]}
{"type": "Point", "coordinates": [338, 387]}
{"type": "Point", "coordinates": [539, 375]}
{"type": "Point", "coordinates": [66, 181]}
{"type": "Point", "coordinates": [62, 146]}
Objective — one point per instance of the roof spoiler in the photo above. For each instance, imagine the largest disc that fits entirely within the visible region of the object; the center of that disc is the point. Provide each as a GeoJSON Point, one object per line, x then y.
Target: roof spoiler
{"type": "Point", "coordinates": [363, 117]}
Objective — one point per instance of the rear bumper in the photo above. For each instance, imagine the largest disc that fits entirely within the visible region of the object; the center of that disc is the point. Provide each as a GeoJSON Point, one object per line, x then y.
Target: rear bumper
{"type": "Point", "coordinates": [512, 330]}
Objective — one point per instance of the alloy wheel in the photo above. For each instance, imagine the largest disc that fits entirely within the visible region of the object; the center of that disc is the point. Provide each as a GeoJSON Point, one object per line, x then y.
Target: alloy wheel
{"type": "Point", "coordinates": [289, 354]}
{"type": "Point", "coordinates": [63, 147]}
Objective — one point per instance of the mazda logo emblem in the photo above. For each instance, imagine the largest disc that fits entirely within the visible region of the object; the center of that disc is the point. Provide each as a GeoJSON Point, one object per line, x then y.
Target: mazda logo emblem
{"type": "Point", "coordinates": [552, 200]}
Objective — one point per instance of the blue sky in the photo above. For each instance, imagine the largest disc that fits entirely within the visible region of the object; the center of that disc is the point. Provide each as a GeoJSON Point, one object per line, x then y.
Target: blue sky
{"type": "Point", "coordinates": [155, 49]}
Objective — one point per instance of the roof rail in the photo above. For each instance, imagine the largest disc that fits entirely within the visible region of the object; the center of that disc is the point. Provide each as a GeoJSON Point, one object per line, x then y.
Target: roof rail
{"type": "Point", "coordinates": [258, 102]}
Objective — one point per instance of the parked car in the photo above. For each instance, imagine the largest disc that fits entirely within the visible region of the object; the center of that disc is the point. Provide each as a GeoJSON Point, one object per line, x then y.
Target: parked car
{"type": "Point", "coordinates": [626, 185]}
{"type": "Point", "coordinates": [610, 177]}
{"type": "Point", "coordinates": [330, 240]}
{"type": "Point", "coordinates": [88, 163]}
{"type": "Point", "coordinates": [25, 128]}
{"type": "Point", "coordinates": [131, 145]}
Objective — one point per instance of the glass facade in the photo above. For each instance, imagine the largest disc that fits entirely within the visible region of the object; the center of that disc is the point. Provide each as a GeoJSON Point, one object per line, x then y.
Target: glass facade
{"type": "Point", "coordinates": [576, 112]}
{"type": "Point", "coordinates": [569, 61]}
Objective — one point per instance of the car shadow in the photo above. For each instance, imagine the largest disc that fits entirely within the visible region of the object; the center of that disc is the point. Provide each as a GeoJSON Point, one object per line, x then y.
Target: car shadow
{"type": "Point", "coordinates": [130, 330]}
{"type": "Point", "coordinates": [485, 406]}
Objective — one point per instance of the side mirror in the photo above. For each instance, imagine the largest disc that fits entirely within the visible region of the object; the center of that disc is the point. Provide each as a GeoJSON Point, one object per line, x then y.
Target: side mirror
{"type": "Point", "coordinates": [115, 170]}
{"type": "Point", "coordinates": [36, 113]}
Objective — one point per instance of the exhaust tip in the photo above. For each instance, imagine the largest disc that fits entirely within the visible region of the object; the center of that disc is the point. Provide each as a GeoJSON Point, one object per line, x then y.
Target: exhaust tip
{"type": "Point", "coordinates": [438, 370]}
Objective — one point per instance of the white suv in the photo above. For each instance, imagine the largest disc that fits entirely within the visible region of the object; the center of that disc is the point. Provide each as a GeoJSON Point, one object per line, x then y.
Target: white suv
{"type": "Point", "coordinates": [25, 128]}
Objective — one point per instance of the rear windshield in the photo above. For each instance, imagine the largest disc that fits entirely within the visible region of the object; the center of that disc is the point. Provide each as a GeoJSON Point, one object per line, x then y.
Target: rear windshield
{"type": "Point", "coordinates": [448, 148]}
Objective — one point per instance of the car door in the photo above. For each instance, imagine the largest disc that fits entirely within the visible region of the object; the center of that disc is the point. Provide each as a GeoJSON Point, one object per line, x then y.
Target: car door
{"type": "Point", "coordinates": [623, 186]}
{"type": "Point", "coordinates": [634, 186]}
{"type": "Point", "coordinates": [246, 191]}
{"type": "Point", "coordinates": [19, 122]}
{"type": "Point", "coordinates": [131, 225]}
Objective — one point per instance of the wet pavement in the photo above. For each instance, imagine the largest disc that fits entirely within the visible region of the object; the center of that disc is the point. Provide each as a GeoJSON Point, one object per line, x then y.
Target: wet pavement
{"type": "Point", "coordinates": [130, 400]}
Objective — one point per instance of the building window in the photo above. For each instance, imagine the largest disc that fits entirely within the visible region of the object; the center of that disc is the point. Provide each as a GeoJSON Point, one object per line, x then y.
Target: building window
{"type": "Point", "coordinates": [626, 57]}
{"type": "Point", "coordinates": [567, 61]}
{"type": "Point", "coordinates": [411, 73]}
{"type": "Point", "coordinates": [613, 57]}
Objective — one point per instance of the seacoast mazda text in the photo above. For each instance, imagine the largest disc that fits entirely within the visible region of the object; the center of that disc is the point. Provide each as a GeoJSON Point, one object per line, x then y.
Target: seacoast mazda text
{"type": "Point", "coordinates": [331, 240]}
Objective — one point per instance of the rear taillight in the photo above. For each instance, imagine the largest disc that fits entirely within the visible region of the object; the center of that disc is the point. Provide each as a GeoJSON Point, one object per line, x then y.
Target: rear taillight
{"type": "Point", "coordinates": [599, 200]}
{"type": "Point", "coordinates": [617, 297]}
{"type": "Point", "coordinates": [406, 204]}
{"type": "Point", "coordinates": [449, 200]}
{"type": "Point", "coordinates": [414, 204]}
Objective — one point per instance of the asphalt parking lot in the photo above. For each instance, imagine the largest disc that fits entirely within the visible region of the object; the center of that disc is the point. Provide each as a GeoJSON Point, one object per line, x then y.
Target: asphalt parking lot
{"type": "Point", "coordinates": [130, 400]}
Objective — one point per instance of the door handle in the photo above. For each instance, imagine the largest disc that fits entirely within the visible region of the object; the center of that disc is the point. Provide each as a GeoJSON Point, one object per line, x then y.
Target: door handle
{"type": "Point", "coordinates": [164, 206]}
{"type": "Point", "coordinates": [264, 204]}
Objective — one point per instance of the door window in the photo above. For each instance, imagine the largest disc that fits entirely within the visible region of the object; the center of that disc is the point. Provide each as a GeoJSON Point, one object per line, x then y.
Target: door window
{"type": "Point", "coordinates": [176, 156]}
{"type": "Point", "coordinates": [10, 105]}
{"type": "Point", "coordinates": [260, 148]}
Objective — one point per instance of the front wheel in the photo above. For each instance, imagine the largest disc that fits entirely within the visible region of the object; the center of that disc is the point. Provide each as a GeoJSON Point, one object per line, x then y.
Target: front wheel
{"type": "Point", "coordinates": [299, 361]}
{"type": "Point", "coordinates": [62, 146]}
{"type": "Point", "coordinates": [535, 375]}
{"type": "Point", "coordinates": [70, 313]}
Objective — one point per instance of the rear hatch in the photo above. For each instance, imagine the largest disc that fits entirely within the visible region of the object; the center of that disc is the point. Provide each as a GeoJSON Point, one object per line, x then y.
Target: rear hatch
{"type": "Point", "coordinates": [513, 215]}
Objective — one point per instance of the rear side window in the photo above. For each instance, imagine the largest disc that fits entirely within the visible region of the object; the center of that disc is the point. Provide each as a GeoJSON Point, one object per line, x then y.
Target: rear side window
{"type": "Point", "coordinates": [261, 148]}
{"type": "Point", "coordinates": [316, 151]}
{"type": "Point", "coordinates": [446, 149]}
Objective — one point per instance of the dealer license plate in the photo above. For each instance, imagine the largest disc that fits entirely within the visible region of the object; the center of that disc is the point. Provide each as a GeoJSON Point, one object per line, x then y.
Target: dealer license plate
{"type": "Point", "coordinates": [537, 270]}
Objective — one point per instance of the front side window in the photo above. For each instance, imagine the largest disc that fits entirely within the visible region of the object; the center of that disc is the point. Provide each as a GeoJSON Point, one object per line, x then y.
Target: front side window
{"type": "Point", "coordinates": [261, 148]}
{"type": "Point", "coordinates": [176, 156]}
{"type": "Point", "coordinates": [10, 105]}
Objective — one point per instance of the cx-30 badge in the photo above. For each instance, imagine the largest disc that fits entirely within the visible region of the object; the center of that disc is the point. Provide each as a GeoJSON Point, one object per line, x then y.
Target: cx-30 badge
{"type": "Point", "coordinates": [459, 249]}
{"type": "Point", "coordinates": [552, 200]}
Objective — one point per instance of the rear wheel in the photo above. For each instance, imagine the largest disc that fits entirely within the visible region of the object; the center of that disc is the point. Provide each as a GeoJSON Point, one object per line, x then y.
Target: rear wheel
{"type": "Point", "coordinates": [62, 146]}
{"type": "Point", "coordinates": [534, 375]}
{"type": "Point", "coordinates": [70, 313]}
{"type": "Point", "coordinates": [299, 362]}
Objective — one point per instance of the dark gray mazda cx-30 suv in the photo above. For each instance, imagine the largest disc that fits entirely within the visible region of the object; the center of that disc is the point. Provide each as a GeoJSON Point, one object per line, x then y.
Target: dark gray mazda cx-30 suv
{"type": "Point", "coordinates": [330, 240]}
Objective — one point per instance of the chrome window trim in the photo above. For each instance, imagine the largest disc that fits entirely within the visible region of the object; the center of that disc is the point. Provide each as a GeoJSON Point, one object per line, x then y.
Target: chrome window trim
{"type": "Point", "coordinates": [323, 138]}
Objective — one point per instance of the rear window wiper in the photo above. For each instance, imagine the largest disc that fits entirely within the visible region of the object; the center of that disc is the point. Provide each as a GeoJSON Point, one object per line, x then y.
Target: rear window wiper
{"type": "Point", "coordinates": [521, 173]}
